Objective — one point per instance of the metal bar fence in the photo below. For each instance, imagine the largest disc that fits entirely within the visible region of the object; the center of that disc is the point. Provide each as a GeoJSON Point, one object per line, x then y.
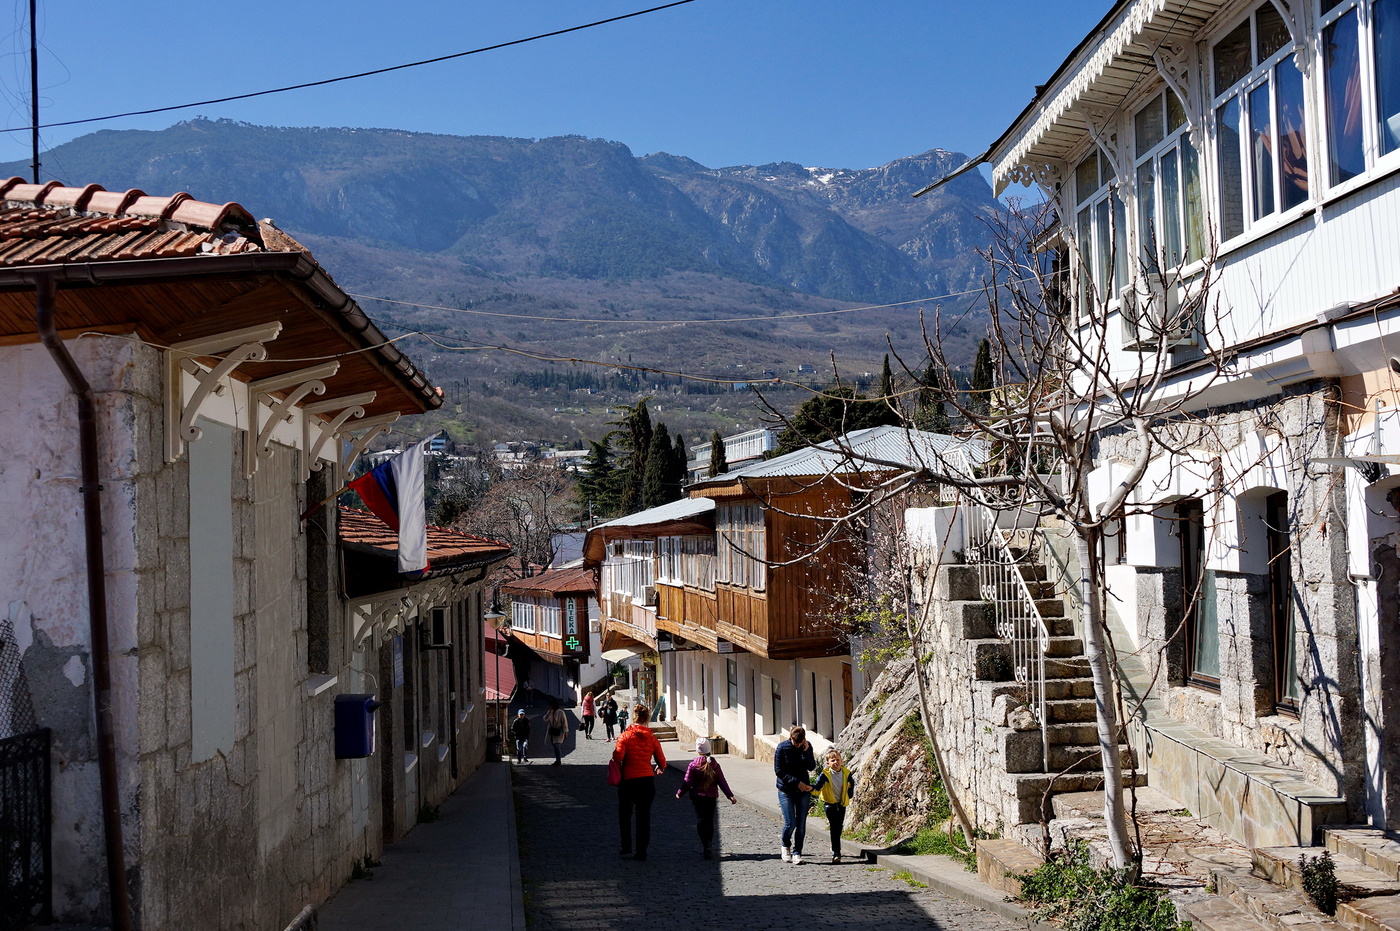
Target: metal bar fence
{"type": "Point", "coordinates": [1001, 573]}
{"type": "Point", "coordinates": [26, 856]}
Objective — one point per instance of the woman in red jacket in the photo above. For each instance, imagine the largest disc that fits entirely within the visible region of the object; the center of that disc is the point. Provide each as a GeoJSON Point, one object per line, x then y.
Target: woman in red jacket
{"type": "Point", "coordinates": [639, 754]}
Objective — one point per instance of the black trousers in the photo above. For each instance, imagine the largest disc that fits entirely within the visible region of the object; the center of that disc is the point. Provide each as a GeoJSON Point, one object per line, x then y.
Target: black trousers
{"type": "Point", "coordinates": [836, 817]}
{"type": "Point", "coordinates": [635, 794]}
{"type": "Point", "coordinates": [704, 818]}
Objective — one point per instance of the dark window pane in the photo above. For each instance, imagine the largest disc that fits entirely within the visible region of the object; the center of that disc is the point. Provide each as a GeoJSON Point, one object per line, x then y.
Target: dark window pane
{"type": "Point", "coordinates": [1206, 662]}
{"type": "Point", "coordinates": [1330, 5]}
{"type": "Point", "coordinates": [1227, 135]}
{"type": "Point", "coordinates": [1386, 17]}
{"type": "Point", "coordinates": [1292, 135]}
{"type": "Point", "coordinates": [1232, 58]}
{"type": "Point", "coordinates": [1148, 127]}
{"type": "Point", "coordinates": [1342, 66]}
{"type": "Point", "coordinates": [1261, 146]}
{"type": "Point", "coordinates": [1170, 228]}
{"type": "Point", "coordinates": [1105, 170]}
{"type": "Point", "coordinates": [1271, 32]}
{"type": "Point", "coordinates": [1086, 177]}
{"type": "Point", "coordinates": [1120, 244]}
{"type": "Point", "coordinates": [1148, 245]}
{"type": "Point", "coordinates": [1176, 113]}
{"type": "Point", "coordinates": [1103, 229]}
{"type": "Point", "coordinates": [1086, 256]}
{"type": "Point", "coordinates": [1191, 195]}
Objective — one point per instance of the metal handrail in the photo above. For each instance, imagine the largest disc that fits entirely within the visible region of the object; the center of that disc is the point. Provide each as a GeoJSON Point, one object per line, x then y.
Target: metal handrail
{"type": "Point", "coordinates": [1002, 584]}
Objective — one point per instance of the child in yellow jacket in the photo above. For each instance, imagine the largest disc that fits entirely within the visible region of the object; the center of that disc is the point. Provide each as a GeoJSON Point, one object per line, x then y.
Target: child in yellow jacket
{"type": "Point", "coordinates": [835, 786]}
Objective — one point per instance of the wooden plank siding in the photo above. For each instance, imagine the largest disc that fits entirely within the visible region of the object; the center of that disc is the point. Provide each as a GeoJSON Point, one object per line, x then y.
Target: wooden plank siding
{"type": "Point", "coordinates": [691, 613]}
{"type": "Point", "coordinates": [632, 621]}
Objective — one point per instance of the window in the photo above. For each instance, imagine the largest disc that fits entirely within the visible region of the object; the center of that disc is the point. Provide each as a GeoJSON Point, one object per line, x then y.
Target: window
{"type": "Point", "coordinates": [669, 569]}
{"type": "Point", "coordinates": [522, 615]}
{"type": "Point", "coordinates": [731, 675]}
{"type": "Point", "coordinates": [1282, 603]}
{"type": "Point", "coordinates": [1168, 185]}
{"type": "Point", "coordinates": [630, 568]}
{"type": "Point", "coordinates": [1101, 231]}
{"type": "Point", "coordinates": [1361, 83]}
{"type": "Point", "coordinates": [743, 545]}
{"type": "Point", "coordinates": [1198, 598]}
{"type": "Point", "coordinates": [698, 562]}
{"type": "Point", "coordinates": [1260, 139]}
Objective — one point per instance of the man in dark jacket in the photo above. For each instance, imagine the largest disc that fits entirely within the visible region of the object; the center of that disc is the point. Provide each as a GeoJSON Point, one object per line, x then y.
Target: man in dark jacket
{"type": "Point", "coordinates": [793, 764]}
{"type": "Point", "coordinates": [520, 733]}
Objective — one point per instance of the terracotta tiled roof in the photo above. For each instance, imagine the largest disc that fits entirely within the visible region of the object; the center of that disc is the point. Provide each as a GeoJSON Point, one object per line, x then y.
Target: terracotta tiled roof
{"type": "Point", "coordinates": [50, 224]}
{"type": "Point", "coordinates": [553, 582]}
{"type": "Point", "coordinates": [446, 548]}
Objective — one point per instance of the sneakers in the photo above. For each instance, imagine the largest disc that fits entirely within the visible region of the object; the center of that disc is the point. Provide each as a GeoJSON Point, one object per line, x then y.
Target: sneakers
{"type": "Point", "coordinates": [796, 858]}
{"type": "Point", "coordinates": [835, 858]}
{"type": "Point", "coordinates": [787, 855]}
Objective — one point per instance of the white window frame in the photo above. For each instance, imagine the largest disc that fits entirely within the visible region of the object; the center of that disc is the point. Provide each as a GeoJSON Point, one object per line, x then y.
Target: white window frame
{"type": "Point", "coordinates": [522, 615]}
{"type": "Point", "coordinates": [1100, 232]}
{"type": "Point", "coordinates": [1261, 74]}
{"type": "Point", "coordinates": [1373, 159]}
{"type": "Point", "coordinates": [1174, 147]}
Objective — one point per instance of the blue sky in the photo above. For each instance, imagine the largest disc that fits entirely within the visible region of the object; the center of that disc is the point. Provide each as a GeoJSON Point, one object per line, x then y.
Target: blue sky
{"type": "Point", "coordinates": [837, 84]}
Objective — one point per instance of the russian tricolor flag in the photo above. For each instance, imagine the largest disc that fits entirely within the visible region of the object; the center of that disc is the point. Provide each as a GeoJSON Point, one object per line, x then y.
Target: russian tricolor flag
{"type": "Point", "coordinates": [393, 491]}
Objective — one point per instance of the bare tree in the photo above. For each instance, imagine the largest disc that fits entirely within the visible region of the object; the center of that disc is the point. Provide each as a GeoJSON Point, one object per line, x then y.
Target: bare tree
{"type": "Point", "coordinates": [1065, 374]}
{"type": "Point", "coordinates": [524, 507]}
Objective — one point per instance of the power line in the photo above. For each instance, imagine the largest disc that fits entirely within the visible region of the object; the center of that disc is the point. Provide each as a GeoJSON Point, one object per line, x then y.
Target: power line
{"type": "Point", "coordinates": [350, 77]}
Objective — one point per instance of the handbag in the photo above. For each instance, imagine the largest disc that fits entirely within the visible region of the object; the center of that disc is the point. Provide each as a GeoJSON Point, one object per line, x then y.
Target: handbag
{"type": "Point", "coordinates": [555, 732]}
{"type": "Point", "coordinates": [614, 772]}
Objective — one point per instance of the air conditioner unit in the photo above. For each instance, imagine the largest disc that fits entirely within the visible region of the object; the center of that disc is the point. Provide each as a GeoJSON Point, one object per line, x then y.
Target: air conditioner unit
{"type": "Point", "coordinates": [1154, 313]}
{"type": "Point", "coordinates": [649, 596]}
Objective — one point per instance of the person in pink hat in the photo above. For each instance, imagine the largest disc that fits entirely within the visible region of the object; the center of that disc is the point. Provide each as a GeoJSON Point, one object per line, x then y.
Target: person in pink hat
{"type": "Point", "coordinates": [704, 780]}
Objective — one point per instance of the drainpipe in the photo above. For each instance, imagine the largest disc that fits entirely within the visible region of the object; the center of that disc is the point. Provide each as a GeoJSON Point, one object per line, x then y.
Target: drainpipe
{"type": "Point", "coordinates": [97, 603]}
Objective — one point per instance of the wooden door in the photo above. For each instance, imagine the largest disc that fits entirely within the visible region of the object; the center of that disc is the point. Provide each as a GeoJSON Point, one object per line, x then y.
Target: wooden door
{"type": "Point", "coordinates": [846, 691]}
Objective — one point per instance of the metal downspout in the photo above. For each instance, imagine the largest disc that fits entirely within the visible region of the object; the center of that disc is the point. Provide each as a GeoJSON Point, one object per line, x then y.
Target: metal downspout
{"type": "Point", "coordinates": [97, 603]}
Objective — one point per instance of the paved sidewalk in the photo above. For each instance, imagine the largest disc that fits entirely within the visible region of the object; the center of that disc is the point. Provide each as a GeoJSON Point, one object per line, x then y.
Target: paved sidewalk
{"type": "Point", "coordinates": [461, 872]}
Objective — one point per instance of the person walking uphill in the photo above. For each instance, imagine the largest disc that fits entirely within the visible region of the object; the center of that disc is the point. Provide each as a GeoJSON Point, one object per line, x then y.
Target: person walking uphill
{"type": "Point", "coordinates": [704, 780]}
{"type": "Point", "coordinates": [609, 714]}
{"type": "Point", "coordinates": [639, 754]}
{"type": "Point", "coordinates": [793, 763]}
{"type": "Point", "coordinates": [835, 784]}
{"type": "Point", "coordinates": [558, 729]}
{"type": "Point", "coordinates": [520, 733]}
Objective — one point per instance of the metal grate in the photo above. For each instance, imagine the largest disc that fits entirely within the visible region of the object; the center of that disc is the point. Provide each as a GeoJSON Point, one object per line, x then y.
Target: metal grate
{"type": "Point", "coordinates": [26, 867]}
{"type": "Point", "coordinates": [16, 708]}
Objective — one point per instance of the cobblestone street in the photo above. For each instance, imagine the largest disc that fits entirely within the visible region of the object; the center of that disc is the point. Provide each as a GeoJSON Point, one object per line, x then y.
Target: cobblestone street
{"type": "Point", "coordinates": [575, 881]}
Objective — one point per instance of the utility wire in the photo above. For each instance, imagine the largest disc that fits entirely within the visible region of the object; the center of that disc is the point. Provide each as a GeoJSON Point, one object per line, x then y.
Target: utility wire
{"type": "Point", "coordinates": [351, 77]}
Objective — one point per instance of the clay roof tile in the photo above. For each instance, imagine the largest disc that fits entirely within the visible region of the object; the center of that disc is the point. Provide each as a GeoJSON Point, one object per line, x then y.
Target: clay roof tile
{"type": "Point", "coordinates": [75, 197]}
{"type": "Point", "coordinates": [113, 202]}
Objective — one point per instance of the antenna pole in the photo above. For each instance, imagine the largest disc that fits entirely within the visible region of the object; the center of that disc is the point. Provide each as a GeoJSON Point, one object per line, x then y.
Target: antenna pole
{"type": "Point", "coordinates": [34, 85]}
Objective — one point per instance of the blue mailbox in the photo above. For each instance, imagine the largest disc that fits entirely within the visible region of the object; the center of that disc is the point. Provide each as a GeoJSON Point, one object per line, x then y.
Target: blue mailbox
{"type": "Point", "coordinates": [354, 726]}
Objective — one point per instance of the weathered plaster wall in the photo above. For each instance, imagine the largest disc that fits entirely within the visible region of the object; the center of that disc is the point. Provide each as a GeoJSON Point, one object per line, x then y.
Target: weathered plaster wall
{"type": "Point", "coordinates": [43, 572]}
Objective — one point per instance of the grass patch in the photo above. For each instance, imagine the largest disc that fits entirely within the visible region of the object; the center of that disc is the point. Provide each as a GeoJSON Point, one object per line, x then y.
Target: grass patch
{"type": "Point", "coordinates": [909, 878]}
{"type": "Point", "coordinates": [1068, 890]}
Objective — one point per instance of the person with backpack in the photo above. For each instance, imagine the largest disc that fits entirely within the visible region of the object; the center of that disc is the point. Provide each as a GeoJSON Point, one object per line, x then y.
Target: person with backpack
{"type": "Point", "coordinates": [609, 715]}
{"type": "Point", "coordinates": [520, 733]}
{"type": "Point", "coordinates": [835, 785]}
{"type": "Point", "coordinates": [704, 780]}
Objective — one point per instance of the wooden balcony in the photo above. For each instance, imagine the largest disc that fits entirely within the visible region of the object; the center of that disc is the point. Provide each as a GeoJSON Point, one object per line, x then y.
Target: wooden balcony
{"type": "Point", "coordinates": [781, 623]}
{"type": "Point", "coordinates": [622, 617]}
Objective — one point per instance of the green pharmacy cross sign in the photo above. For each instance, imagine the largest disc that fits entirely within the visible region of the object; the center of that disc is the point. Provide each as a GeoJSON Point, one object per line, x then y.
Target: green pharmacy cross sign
{"type": "Point", "coordinates": [573, 644]}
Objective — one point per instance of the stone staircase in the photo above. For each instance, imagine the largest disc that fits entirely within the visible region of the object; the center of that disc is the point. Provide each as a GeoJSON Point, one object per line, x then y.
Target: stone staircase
{"type": "Point", "coordinates": [1074, 758]}
{"type": "Point", "coordinates": [663, 732]}
{"type": "Point", "coordinates": [1270, 895]}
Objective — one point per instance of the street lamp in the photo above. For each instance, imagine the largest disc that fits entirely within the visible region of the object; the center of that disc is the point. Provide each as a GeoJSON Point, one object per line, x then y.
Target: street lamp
{"type": "Point", "coordinates": [494, 616]}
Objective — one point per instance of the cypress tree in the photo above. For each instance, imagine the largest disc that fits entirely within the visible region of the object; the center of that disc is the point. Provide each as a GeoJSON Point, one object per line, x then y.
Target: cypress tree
{"type": "Point", "coordinates": [983, 379]}
{"type": "Point", "coordinates": [658, 468]}
{"type": "Point", "coordinates": [719, 462]}
{"type": "Point", "coordinates": [598, 487]}
{"type": "Point", "coordinates": [635, 429]}
{"type": "Point", "coordinates": [680, 467]}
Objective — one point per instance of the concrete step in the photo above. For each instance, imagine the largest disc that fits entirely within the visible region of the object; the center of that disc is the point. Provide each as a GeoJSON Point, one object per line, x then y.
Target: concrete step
{"type": "Point", "coordinates": [1070, 710]}
{"type": "Point", "coordinates": [1049, 605]}
{"type": "Point", "coordinates": [1378, 913]}
{"type": "Point", "coordinates": [663, 731]}
{"type": "Point", "coordinates": [1073, 734]}
{"type": "Point", "coordinates": [1022, 754]}
{"type": "Point", "coordinates": [1272, 906]}
{"type": "Point", "coordinates": [972, 620]}
{"type": "Point", "coordinates": [1059, 667]}
{"type": "Point", "coordinates": [1059, 626]}
{"type": "Point", "coordinates": [1061, 647]}
{"type": "Point", "coordinates": [1214, 913]}
{"type": "Point", "coordinates": [1056, 689]}
{"type": "Point", "coordinates": [1355, 880]}
{"type": "Point", "coordinates": [1085, 759]}
{"type": "Point", "coordinates": [1378, 849]}
{"type": "Point", "coordinates": [1001, 862]}
{"type": "Point", "coordinates": [1031, 790]}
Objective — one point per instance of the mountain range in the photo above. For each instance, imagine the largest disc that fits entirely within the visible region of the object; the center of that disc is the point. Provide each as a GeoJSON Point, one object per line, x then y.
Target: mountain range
{"type": "Point", "coordinates": [574, 248]}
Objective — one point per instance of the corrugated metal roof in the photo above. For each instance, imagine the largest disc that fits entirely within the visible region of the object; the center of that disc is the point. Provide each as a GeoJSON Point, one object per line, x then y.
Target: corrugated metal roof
{"type": "Point", "coordinates": [875, 449]}
{"type": "Point", "coordinates": [676, 510]}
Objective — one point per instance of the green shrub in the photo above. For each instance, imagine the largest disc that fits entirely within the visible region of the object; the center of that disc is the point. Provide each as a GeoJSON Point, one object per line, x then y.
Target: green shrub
{"type": "Point", "coordinates": [1320, 880]}
{"type": "Point", "coordinates": [1067, 889]}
